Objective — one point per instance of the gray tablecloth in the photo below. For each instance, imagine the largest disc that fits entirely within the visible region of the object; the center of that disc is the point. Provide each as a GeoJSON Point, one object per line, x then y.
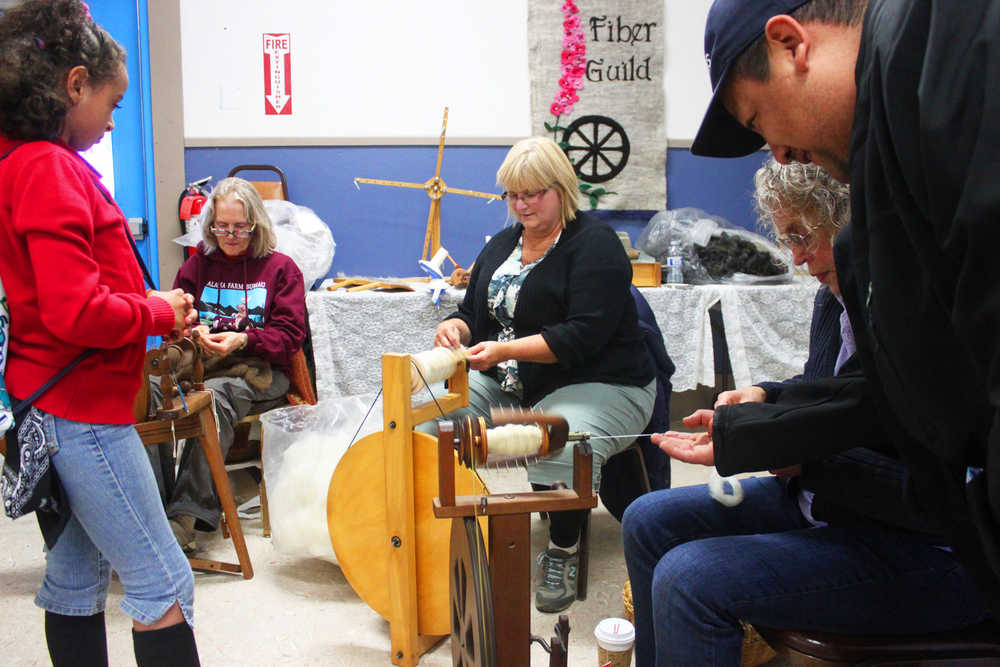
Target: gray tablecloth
{"type": "Point", "coordinates": [767, 331]}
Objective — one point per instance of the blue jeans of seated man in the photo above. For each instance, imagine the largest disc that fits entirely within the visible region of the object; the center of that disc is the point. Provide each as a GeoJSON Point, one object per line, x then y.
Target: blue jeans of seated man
{"type": "Point", "coordinates": [117, 523]}
{"type": "Point", "coordinates": [697, 568]}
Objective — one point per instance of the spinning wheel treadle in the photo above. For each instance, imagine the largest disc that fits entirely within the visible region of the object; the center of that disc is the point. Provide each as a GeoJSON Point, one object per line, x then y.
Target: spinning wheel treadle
{"type": "Point", "coordinates": [473, 640]}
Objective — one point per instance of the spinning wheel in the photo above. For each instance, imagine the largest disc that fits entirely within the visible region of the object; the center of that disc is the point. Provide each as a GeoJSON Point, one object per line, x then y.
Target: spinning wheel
{"type": "Point", "coordinates": [598, 148]}
{"type": "Point", "coordinates": [490, 627]}
{"type": "Point", "coordinates": [473, 643]}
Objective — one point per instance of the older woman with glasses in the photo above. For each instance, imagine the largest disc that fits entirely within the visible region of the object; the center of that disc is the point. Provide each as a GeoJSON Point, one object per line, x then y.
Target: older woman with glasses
{"type": "Point", "coordinates": [551, 325]}
{"type": "Point", "coordinates": [251, 307]}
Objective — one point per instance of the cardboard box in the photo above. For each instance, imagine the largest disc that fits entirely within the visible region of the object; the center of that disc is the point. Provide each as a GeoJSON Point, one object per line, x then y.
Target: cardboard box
{"type": "Point", "coordinates": [646, 274]}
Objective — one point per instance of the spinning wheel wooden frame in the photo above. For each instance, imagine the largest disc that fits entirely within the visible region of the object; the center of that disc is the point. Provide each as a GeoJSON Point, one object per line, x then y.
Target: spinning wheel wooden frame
{"type": "Point", "coordinates": [509, 549]}
{"type": "Point", "coordinates": [391, 549]}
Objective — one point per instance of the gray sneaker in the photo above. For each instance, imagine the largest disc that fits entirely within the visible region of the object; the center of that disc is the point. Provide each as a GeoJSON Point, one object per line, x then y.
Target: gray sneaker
{"type": "Point", "coordinates": [185, 536]}
{"type": "Point", "coordinates": [556, 581]}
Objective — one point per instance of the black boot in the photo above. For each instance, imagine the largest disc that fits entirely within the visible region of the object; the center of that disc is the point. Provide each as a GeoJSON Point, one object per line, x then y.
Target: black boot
{"type": "Point", "coordinates": [76, 640]}
{"type": "Point", "coordinates": [172, 646]}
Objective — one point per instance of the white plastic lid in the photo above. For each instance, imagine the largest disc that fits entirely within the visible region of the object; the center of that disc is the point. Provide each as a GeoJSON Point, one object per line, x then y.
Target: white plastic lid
{"type": "Point", "coordinates": [615, 634]}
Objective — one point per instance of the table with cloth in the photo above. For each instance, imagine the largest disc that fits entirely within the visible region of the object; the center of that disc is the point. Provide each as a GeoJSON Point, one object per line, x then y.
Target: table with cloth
{"type": "Point", "coordinates": [766, 329]}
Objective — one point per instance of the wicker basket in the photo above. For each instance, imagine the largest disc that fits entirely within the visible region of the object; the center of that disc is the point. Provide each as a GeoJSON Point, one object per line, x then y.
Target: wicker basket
{"type": "Point", "coordinates": [756, 651]}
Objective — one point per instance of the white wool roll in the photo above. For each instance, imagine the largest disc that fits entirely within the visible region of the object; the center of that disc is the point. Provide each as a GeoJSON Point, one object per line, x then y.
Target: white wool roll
{"type": "Point", "coordinates": [435, 365]}
{"type": "Point", "coordinates": [514, 439]}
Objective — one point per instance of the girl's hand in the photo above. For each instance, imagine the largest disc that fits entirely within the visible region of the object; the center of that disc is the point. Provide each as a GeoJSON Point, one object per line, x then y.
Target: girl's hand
{"type": "Point", "coordinates": [182, 304]}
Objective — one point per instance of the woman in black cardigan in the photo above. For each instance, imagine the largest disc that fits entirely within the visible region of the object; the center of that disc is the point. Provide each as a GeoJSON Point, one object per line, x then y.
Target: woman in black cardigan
{"type": "Point", "coordinates": [551, 325]}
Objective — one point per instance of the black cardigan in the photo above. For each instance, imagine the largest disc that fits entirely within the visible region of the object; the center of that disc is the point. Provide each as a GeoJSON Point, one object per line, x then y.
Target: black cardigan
{"type": "Point", "coordinates": [577, 298]}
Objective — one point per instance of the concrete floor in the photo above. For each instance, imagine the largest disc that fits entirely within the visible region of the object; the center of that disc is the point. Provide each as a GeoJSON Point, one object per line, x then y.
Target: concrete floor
{"type": "Point", "coordinates": [302, 611]}
{"type": "Point", "coordinates": [295, 611]}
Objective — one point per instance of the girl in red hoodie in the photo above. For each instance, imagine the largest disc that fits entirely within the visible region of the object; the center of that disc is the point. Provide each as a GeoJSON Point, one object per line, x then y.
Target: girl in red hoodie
{"type": "Point", "coordinates": [73, 283]}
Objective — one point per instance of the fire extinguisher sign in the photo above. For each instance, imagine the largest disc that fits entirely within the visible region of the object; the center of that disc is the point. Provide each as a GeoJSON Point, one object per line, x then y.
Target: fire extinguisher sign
{"type": "Point", "coordinates": [277, 74]}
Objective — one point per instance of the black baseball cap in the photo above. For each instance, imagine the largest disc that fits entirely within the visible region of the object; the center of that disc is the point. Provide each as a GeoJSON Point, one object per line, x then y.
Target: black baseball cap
{"type": "Point", "coordinates": [731, 27]}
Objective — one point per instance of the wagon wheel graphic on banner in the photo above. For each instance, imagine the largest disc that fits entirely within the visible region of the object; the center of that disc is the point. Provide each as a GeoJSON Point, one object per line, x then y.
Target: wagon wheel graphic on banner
{"type": "Point", "coordinates": [597, 146]}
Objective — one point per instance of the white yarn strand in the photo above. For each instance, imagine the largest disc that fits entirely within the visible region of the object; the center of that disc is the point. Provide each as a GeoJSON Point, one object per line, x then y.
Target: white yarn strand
{"type": "Point", "coordinates": [514, 439]}
{"type": "Point", "coordinates": [434, 365]}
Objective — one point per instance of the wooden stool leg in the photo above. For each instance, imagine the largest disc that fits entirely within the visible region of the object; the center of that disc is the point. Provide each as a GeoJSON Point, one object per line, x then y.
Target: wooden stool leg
{"type": "Point", "coordinates": [583, 559]}
{"type": "Point", "coordinates": [265, 513]}
{"type": "Point", "coordinates": [213, 453]}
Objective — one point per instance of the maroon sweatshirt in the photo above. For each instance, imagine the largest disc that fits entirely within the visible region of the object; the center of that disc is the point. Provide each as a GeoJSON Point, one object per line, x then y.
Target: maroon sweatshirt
{"type": "Point", "coordinates": [262, 297]}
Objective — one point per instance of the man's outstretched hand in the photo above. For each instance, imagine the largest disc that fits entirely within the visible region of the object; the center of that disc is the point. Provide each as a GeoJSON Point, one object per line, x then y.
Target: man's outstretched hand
{"type": "Point", "coordinates": [690, 447]}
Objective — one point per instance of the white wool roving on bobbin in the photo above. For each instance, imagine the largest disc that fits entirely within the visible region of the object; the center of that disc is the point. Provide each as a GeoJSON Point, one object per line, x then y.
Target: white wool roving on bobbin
{"type": "Point", "coordinates": [434, 366]}
{"type": "Point", "coordinates": [717, 489]}
{"type": "Point", "coordinates": [514, 439]}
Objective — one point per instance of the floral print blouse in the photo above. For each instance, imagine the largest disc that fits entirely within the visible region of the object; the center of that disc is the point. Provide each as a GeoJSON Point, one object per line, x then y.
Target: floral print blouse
{"type": "Point", "coordinates": [504, 287]}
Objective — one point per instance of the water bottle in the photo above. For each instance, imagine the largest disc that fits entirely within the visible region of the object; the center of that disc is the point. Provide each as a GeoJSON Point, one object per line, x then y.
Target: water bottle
{"type": "Point", "coordinates": [675, 263]}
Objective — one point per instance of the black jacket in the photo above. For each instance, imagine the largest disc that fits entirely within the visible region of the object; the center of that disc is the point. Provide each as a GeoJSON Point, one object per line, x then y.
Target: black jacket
{"type": "Point", "coordinates": [578, 299]}
{"type": "Point", "coordinates": [925, 292]}
{"type": "Point", "coordinates": [852, 484]}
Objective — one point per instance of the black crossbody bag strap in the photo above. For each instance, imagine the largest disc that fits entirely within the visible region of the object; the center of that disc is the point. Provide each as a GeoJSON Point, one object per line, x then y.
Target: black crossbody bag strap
{"type": "Point", "coordinates": [21, 407]}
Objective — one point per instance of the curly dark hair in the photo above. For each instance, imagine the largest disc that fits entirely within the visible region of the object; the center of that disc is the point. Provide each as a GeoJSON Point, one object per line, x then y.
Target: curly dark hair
{"type": "Point", "coordinates": [40, 41]}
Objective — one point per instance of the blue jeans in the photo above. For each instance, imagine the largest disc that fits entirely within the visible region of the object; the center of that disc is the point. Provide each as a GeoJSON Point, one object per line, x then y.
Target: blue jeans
{"type": "Point", "coordinates": [697, 568]}
{"type": "Point", "coordinates": [117, 523]}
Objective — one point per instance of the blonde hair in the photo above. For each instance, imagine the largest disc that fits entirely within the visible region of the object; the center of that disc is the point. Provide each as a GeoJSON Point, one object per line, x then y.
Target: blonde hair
{"type": "Point", "coordinates": [263, 240]}
{"type": "Point", "coordinates": [537, 163]}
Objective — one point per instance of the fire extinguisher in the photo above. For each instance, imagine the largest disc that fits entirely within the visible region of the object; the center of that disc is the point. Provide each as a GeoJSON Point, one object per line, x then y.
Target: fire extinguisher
{"type": "Point", "coordinates": [191, 201]}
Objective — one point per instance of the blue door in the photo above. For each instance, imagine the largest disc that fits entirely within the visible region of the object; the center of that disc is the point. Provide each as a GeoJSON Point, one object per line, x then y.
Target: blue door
{"type": "Point", "coordinates": [132, 138]}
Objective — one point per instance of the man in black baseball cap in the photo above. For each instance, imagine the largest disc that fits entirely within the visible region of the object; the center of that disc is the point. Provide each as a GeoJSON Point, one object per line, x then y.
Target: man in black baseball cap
{"type": "Point", "coordinates": [901, 100]}
{"type": "Point", "coordinates": [732, 26]}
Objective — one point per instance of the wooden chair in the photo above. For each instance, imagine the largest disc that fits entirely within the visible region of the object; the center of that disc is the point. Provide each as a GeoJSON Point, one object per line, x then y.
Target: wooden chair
{"type": "Point", "coordinates": [978, 645]}
{"type": "Point", "coordinates": [267, 189]}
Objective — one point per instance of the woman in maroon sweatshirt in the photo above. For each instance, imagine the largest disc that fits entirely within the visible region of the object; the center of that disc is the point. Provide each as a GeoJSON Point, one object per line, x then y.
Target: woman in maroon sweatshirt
{"type": "Point", "coordinates": [251, 309]}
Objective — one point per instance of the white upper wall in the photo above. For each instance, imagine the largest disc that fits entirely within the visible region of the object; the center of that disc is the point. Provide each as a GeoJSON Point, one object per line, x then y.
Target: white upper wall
{"type": "Point", "coordinates": [383, 71]}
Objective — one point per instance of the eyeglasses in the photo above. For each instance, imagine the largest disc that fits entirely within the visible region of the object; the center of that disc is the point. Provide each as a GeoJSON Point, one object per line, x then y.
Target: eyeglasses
{"type": "Point", "coordinates": [526, 197]}
{"type": "Point", "coordinates": [240, 230]}
{"type": "Point", "coordinates": [805, 241]}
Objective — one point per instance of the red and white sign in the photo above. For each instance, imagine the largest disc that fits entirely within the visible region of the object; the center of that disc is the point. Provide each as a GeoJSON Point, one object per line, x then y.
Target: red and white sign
{"type": "Point", "coordinates": [277, 74]}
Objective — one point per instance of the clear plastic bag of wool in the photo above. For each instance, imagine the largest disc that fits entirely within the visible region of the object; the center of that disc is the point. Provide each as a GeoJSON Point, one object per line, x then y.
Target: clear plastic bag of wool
{"type": "Point", "coordinates": [714, 250]}
{"type": "Point", "coordinates": [301, 446]}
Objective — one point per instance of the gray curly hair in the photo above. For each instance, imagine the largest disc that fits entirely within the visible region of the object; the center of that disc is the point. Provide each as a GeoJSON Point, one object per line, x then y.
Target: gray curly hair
{"type": "Point", "coordinates": [804, 192]}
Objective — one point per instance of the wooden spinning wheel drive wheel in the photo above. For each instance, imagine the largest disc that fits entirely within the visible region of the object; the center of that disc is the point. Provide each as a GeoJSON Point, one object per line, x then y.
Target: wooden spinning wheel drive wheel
{"type": "Point", "coordinates": [472, 623]}
{"type": "Point", "coordinates": [598, 148]}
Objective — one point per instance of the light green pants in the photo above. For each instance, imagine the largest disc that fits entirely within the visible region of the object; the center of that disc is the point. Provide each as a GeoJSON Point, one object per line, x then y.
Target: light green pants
{"type": "Point", "coordinates": [595, 407]}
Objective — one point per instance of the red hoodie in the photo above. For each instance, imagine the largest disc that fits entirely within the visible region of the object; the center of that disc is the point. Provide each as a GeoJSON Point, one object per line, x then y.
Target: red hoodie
{"type": "Point", "coordinates": [263, 297]}
{"type": "Point", "coordinates": [72, 282]}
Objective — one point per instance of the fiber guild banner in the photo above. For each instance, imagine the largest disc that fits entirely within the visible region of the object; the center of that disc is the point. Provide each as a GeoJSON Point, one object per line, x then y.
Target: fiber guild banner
{"type": "Point", "coordinates": [597, 88]}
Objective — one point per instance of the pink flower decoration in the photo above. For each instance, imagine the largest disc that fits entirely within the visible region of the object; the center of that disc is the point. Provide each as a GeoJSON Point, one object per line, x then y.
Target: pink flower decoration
{"type": "Point", "coordinates": [573, 60]}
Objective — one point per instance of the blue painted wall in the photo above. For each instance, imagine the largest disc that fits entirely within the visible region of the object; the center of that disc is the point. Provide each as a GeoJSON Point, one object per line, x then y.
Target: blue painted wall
{"type": "Point", "coordinates": [379, 230]}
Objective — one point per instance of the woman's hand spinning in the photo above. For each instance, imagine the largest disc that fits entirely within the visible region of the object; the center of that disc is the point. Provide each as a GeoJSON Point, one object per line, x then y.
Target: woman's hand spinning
{"type": "Point", "coordinates": [486, 355]}
{"type": "Point", "coordinates": [224, 343]}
